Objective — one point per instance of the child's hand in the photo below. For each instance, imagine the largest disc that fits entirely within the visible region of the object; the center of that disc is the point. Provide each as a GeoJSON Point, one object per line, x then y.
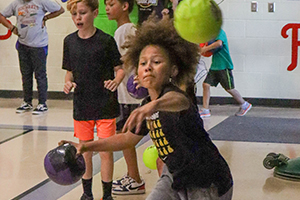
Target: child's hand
{"type": "Point", "coordinates": [111, 85]}
{"type": "Point", "coordinates": [203, 49]}
{"type": "Point", "coordinates": [137, 81]}
{"type": "Point", "coordinates": [79, 147]}
{"type": "Point", "coordinates": [165, 12]}
{"type": "Point", "coordinates": [15, 31]}
{"type": "Point", "coordinates": [68, 86]}
{"type": "Point", "coordinates": [138, 116]}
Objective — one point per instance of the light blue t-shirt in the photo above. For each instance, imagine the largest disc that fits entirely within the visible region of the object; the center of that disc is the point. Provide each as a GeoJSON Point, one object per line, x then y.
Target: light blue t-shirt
{"type": "Point", "coordinates": [30, 20]}
{"type": "Point", "coordinates": [221, 60]}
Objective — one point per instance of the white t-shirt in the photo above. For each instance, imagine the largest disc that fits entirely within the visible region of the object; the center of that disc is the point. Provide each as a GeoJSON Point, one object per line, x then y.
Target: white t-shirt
{"type": "Point", "coordinates": [121, 35]}
{"type": "Point", "coordinates": [30, 20]}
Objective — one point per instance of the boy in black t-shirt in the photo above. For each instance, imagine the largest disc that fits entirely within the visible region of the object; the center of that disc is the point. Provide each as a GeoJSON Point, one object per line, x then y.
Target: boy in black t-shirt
{"type": "Point", "coordinates": [91, 58]}
{"type": "Point", "coordinates": [194, 168]}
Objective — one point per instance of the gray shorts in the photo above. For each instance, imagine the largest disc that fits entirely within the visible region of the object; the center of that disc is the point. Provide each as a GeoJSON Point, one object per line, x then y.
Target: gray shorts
{"type": "Point", "coordinates": [163, 190]}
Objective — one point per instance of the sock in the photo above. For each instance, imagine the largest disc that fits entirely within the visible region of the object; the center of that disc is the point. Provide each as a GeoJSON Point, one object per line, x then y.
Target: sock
{"type": "Point", "coordinates": [245, 105]}
{"type": "Point", "coordinates": [87, 186]}
{"type": "Point", "coordinates": [107, 187]}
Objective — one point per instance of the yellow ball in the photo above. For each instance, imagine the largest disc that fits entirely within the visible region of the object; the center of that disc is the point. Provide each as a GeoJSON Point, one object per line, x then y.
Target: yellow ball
{"type": "Point", "coordinates": [150, 156]}
{"type": "Point", "coordinates": [198, 21]}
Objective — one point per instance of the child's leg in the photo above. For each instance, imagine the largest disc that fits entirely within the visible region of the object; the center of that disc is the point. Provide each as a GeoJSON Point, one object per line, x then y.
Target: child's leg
{"type": "Point", "coordinates": [40, 56]}
{"type": "Point", "coordinates": [129, 154]}
{"type": "Point", "coordinates": [107, 168]}
{"type": "Point", "coordinates": [26, 72]}
{"type": "Point", "coordinates": [105, 129]}
{"type": "Point", "coordinates": [84, 131]}
{"type": "Point", "coordinates": [132, 165]}
{"type": "Point", "coordinates": [107, 165]}
{"type": "Point", "coordinates": [87, 178]}
{"type": "Point", "coordinates": [163, 188]}
{"type": "Point", "coordinates": [206, 95]}
{"type": "Point", "coordinates": [88, 162]}
{"type": "Point", "coordinates": [236, 95]}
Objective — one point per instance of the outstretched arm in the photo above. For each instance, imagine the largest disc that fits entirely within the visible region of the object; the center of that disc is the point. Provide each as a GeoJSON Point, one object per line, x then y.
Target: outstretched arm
{"type": "Point", "coordinates": [117, 142]}
{"type": "Point", "coordinates": [170, 102]}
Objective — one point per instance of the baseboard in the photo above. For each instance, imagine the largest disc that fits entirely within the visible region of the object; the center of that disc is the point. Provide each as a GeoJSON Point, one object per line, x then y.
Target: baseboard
{"type": "Point", "coordinates": [50, 94]}
{"type": "Point", "coordinates": [268, 102]}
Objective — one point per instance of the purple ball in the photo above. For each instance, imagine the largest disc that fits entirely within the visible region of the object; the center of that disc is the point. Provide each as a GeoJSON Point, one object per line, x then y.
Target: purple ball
{"type": "Point", "coordinates": [63, 166]}
{"type": "Point", "coordinates": [139, 93]}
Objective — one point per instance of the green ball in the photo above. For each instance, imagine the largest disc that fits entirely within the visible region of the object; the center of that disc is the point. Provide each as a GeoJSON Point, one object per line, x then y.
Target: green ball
{"type": "Point", "coordinates": [150, 156]}
{"type": "Point", "coordinates": [198, 21]}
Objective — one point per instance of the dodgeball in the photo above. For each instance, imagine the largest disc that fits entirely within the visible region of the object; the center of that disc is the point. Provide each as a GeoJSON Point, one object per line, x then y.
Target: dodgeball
{"type": "Point", "coordinates": [198, 21]}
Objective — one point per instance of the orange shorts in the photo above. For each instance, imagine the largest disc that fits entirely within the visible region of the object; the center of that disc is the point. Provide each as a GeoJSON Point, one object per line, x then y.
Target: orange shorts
{"type": "Point", "coordinates": [84, 130]}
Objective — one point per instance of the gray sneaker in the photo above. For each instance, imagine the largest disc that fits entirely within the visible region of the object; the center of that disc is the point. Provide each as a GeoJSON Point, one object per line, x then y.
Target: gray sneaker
{"type": "Point", "coordinates": [24, 108]}
{"type": "Point", "coordinates": [243, 110]}
{"type": "Point", "coordinates": [204, 113]}
{"type": "Point", "coordinates": [40, 109]}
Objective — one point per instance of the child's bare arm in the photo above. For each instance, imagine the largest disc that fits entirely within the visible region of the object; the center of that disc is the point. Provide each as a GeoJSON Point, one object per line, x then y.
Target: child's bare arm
{"type": "Point", "coordinates": [117, 142]}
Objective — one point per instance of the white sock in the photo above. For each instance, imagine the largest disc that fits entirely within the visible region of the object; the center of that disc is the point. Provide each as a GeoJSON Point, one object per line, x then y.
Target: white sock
{"type": "Point", "coordinates": [245, 105]}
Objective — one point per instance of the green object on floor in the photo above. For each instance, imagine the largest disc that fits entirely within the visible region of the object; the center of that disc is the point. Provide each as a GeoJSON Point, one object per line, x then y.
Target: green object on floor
{"type": "Point", "coordinates": [289, 171]}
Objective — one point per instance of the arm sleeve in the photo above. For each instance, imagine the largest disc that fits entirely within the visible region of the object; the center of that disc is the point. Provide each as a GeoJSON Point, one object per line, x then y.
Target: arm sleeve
{"type": "Point", "coordinates": [9, 10]}
{"type": "Point", "coordinates": [114, 52]}
{"type": "Point", "coordinates": [66, 57]}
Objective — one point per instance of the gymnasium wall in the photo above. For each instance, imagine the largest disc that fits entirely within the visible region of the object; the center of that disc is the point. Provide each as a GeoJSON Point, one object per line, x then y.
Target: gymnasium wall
{"type": "Point", "coordinates": [259, 52]}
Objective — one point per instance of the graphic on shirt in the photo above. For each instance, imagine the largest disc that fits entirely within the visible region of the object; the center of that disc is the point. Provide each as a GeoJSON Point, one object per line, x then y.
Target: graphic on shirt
{"type": "Point", "coordinates": [27, 15]}
{"type": "Point", "coordinates": [146, 3]}
{"type": "Point", "coordinates": [158, 137]}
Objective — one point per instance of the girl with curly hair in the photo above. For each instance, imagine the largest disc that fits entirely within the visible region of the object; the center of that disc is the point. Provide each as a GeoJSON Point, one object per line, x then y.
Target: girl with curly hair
{"type": "Point", "coordinates": [194, 168]}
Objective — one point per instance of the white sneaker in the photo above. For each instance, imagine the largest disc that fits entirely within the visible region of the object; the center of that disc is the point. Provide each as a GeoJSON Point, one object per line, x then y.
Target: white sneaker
{"type": "Point", "coordinates": [128, 186]}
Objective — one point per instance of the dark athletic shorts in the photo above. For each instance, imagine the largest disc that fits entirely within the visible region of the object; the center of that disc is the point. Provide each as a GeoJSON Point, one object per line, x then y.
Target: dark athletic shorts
{"type": "Point", "coordinates": [224, 77]}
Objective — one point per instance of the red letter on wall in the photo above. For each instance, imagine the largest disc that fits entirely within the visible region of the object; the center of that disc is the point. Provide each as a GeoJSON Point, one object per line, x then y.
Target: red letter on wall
{"type": "Point", "coordinates": [295, 43]}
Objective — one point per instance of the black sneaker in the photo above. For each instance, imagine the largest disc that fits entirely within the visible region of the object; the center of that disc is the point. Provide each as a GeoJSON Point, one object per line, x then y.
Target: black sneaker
{"type": "Point", "coordinates": [40, 109]}
{"type": "Point", "coordinates": [24, 108]}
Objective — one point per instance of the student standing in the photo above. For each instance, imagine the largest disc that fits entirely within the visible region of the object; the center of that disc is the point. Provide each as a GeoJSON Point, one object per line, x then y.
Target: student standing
{"type": "Point", "coordinates": [119, 10]}
{"type": "Point", "coordinates": [91, 58]}
{"type": "Point", "coordinates": [32, 46]}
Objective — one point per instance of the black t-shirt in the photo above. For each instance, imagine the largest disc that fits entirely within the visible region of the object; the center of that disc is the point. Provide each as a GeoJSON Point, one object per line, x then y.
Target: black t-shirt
{"type": "Point", "coordinates": [185, 147]}
{"type": "Point", "coordinates": [92, 61]}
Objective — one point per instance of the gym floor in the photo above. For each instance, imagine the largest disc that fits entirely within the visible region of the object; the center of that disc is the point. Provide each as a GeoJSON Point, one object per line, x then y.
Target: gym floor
{"type": "Point", "coordinates": [25, 139]}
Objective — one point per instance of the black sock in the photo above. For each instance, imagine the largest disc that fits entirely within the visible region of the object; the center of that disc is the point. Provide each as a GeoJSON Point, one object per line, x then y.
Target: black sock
{"type": "Point", "coordinates": [87, 186]}
{"type": "Point", "coordinates": [107, 187]}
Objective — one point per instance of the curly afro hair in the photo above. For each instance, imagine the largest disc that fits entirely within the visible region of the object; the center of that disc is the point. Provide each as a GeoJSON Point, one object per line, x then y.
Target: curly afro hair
{"type": "Point", "coordinates": [162, 33]}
